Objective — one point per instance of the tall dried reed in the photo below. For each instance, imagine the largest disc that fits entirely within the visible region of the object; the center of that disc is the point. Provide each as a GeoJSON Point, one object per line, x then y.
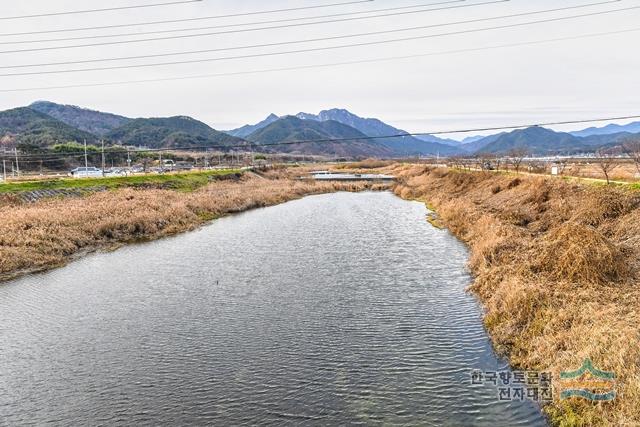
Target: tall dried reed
{"type": "Point", "coordinates": [51, 232]}
{"type": "Point", "coordinates": [557, 269]}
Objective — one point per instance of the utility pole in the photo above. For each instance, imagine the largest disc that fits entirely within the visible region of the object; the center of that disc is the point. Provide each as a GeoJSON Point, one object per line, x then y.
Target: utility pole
{"type": "Point", "coordinates": [4, 170]}
{"type": "Point", "coordinates": [15, 150]}
{"type": "Point", "coordinates": [86, 161]}
{"type": "Point", "coordinates": [128, 158]}
{"type": "Point", "coordinates": [103, 165]}
{"type": "Point", "coordinates": [161, 166]}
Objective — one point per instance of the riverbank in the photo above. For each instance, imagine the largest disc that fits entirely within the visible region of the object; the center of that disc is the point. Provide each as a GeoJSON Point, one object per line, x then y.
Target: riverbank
{"type": "Point", "coordinates": [321, 298]}
{"type": "Point", "coordinates": [51, 232]}
{"type": "Point", "coordinates": [556, 266]}
{"type": "Point", "coordinates": [184, 181]}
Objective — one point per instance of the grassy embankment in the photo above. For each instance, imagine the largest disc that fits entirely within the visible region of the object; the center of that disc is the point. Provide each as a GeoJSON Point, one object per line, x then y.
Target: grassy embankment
{"type": "Point", "coordinates": [179, 181]}
{"type": "Point", "coordinates": [556, 264]}
{"type": "Point", "coordinates": [49, 233]}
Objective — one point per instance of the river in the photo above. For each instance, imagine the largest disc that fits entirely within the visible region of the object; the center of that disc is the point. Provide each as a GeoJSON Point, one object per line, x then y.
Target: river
{"type": "Point", "coordinates": [330, 310]}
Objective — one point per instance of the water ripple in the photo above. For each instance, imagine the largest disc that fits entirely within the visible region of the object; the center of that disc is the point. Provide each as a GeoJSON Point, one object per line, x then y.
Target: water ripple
{"type": "Point", "coordinates": [330, 310]}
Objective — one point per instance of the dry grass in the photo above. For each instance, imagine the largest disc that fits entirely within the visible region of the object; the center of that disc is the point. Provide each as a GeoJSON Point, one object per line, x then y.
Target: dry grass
{"type": "Point", "coordinates": [51, 232]}
{"type": "Point", "coordinates": [365, 164]}
{"type": "Point", "coordinates": [626, 171]}
{"type": "Point", "coordinates": [557, 268]}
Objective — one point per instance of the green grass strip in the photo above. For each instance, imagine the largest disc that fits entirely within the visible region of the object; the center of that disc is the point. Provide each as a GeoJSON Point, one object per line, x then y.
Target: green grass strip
{"type": "Point", "coordinates": [188, 181]}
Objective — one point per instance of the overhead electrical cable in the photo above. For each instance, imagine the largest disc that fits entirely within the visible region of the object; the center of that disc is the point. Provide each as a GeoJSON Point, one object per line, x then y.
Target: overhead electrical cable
{"type": "Point", "coordinates": [106, 9]}
{"type": "Point", "coordinates": [202, 18]}
{"type": "Point", "coordinates": [364, 138]}
{"type": "Point", "coordinates": [253, 46]}
{"type": "Point", "coordinates": [315, 66]}
{"type": "Point", "coordinates": [325, 48]}
{"type": "Point", "coordinates": [276, 27]}
{"type": "Point", "coordinates": [342, 36]}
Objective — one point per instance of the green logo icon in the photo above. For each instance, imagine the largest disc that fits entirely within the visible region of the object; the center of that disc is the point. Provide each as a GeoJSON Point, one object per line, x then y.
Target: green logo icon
{"type": "Point", "coordinates": [588, 383]}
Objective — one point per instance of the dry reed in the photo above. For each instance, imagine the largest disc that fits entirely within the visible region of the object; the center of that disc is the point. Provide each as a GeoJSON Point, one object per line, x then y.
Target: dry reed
{"type": "Point", "coordinates": [556, 266]}
{"type": "Point", "coordinates": [51, 232]}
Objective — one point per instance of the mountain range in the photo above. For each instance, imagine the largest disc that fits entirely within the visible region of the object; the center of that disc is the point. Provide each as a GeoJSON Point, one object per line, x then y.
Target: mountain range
{"type": "Point", "coordinates": [609, 129]}
{"type": "Point", "coordinates": [94, 122]}
{"type": "Point", "coordinates": [247, 130]}
{"type": "Point", "coordinates": [541, 141]}
{"type": "Point", "coordinates": [27, 126]}
{"type": "Point", "coordinates": [171, 132]}
{"type": "Point", "coordinates": [334, 132]}
{"type": "Point", "coordinates": [333, 138]}
{"type": "Point", "coordinates": [372, 128]}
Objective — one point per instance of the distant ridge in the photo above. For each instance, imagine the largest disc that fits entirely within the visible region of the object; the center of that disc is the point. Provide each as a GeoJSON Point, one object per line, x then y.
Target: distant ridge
{"type": "Point", "coordinates": [608, 130]}
{"type": "Point", "coordinates": [26, 126]}
{"type": "Point", "coordinates": [476, 144]}
{"type": "Point", "coordinates": [537, 140]}
{"type": "Point", "coordinates": [246, 130]}
{"type": "Point", "coordinates": [95, 122]}
{"type": "Point", "coordinates": [45, 123]}
{"type": "Point", "coordinates": [291, 128]}
{"type": "Point", "coordinates": [405, 146]}
{"type": "Point", "coordinates": [167, 132]}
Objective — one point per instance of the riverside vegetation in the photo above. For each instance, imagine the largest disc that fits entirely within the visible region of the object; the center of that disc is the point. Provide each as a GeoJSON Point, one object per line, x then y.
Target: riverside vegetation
{"type": "Point", "coordinates": [556, 264]}
{"type": "Point", "coordinates": [51, 232]}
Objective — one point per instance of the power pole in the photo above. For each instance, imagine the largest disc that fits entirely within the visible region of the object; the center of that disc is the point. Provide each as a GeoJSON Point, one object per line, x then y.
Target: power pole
{"type": "Point", "coordinates": [86, 161]}
{"type": "Point", "coordinates": [103, 165]}
{"type": "Point", "coordinates": [15, 150]}
{"type": "Point", "coordinates": [4, 170]}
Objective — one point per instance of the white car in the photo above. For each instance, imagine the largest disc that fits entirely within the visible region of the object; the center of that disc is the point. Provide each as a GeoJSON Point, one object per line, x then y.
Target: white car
{"type": "Point", "coordinates": [84, 172]}
{"type": "Point", "coordinates": [115, 172]}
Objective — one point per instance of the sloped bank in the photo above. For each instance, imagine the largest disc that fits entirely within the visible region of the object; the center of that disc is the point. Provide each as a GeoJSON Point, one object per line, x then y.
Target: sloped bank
{"type": "Point", "coordinates": [51, 232]}
{"type": "Point", "coordinates": [556, 265]}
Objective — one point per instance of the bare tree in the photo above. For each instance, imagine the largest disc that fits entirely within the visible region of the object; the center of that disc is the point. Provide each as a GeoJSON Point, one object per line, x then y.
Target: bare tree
{"type": "Point", "coordinates": [497, 161]}
{"type": "Point", "coordinates": [562, 165]}
{"type": "Point", "coordinates": [632, 148]}
{"type": "Point", "coordinates": [606, 160]}
{"type": "Point", "coordinates": [457, 161]}
{"type": "Point", "coordinates": [484, 161]}
{"type": "Point", "coordinates": [517, 156]}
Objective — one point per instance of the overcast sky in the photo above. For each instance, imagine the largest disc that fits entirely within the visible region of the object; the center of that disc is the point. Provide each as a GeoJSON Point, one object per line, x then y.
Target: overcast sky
{"type": "Point", "coordinates": [576, 79]}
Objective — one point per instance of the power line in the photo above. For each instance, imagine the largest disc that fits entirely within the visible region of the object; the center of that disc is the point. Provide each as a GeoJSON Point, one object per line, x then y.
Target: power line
{"type": "Point", "coordinates": [106, 9]}
{"type": "Point", "coordinates": [333, 37]}
{"type": "Point", "coordinates": [130, 57]}
{"type": "Point", "coordinates": [312, 49]}
{"type": "Point", "coordinates": [202, 18]}
{"type": "Point", "coordinates": [314, 66]}
{"type": "Point", "coordinates": [332, 21]}
{"type": "Point", "coordinates": [363, 138]}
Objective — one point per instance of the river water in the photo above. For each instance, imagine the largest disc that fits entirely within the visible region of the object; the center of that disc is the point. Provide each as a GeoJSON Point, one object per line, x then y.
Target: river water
{"type": "Point", "coordinates": [330, 310]}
